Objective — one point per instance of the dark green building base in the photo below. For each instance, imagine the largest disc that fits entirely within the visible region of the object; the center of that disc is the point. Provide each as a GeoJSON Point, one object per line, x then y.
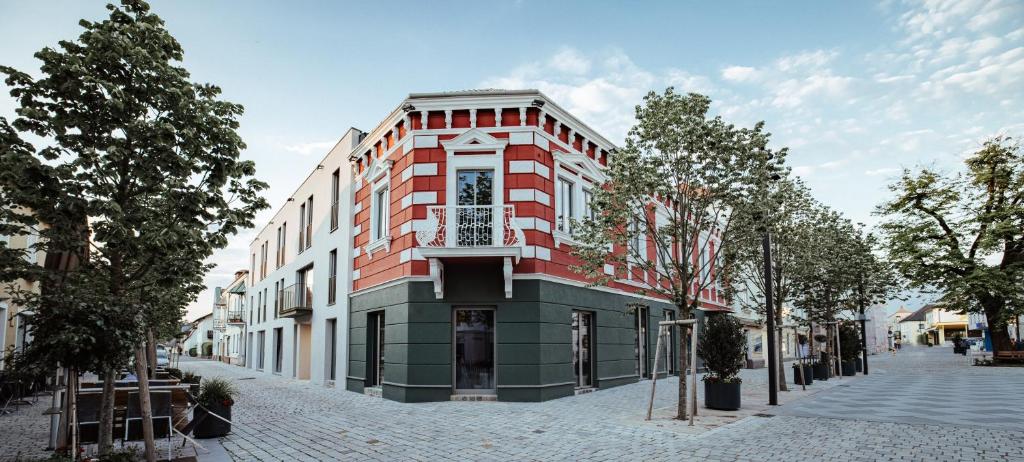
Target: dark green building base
{"type": "Point", "coordinates": [533, 335]}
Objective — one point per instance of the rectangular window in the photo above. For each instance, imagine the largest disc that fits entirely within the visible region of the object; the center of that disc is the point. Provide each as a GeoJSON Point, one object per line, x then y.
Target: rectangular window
{"type": "Point", "coordinates": [635, 239]}
{"type": "Point", "coordinates": [588, 204]}
{"type": "Point", "coordinates": [263, 259]}
{"type": "Point", "coordinates": [277, 253]}
{"type": "Point", "coordinates": [284, 238]}
{"type": "Point", "coordinates": [259, 301]}
{"type": "Point", "coordinates": [260, 346]}
{"type": "Point", "coordinates": [332, 348]}
{"type": "Point", "coordinates": [277, 296]}
{"type": "Point", "coordinates": [335, 197]}
{"type": "Point", "coordinates": [375, 359]}
{"type": "Point", "coordinates": [252, 269]}
{"type": "Point", "coordinates": [251, 304]}
{"type": "Point", "coordinates": [264, 304]}
{"type": "Point", "coordinates": [332, 276]}
{"type": "Point", "coordinates": [278, 349]}
{"type": "Point", "coordinates": [309, 222]}
{"type": "Point", "coordinates": [565, 204]}
{"type": "Point", "coordinates": [381, 213]}
{"type": "Point", "coordinates": [302, 226]}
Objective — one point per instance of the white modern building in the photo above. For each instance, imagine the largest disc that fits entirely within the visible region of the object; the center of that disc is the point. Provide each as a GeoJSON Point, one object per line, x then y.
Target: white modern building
{"type": "Point", "coordinates": [229, 320]}
{"type": "Point", "coordinates": [296, 305]}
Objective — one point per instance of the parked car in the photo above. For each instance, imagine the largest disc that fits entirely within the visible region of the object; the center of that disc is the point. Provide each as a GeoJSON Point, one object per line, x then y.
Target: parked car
{"type": "Point", "coordinates": [162, 358]}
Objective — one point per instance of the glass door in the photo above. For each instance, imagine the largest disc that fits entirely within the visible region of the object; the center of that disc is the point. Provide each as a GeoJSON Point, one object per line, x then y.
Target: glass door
{"type": "Point", "coordinates": [474, 351]}
{"type": "Point", "coordinates": [376, 363]}
{"type": "Point", "coordinates": [474, 212]}
{"type": "Point", "coordinates": [640, 347]}
{"type": "Point", "coordinates": [582, 357]}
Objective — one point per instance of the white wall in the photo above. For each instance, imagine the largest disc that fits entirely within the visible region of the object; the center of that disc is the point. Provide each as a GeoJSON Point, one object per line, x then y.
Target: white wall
{"type": "Point", "coordinates": [318, 184]}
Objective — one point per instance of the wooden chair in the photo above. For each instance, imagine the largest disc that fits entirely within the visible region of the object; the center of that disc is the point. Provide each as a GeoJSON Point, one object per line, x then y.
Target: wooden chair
{"type": "Point", "coordinates": [160, 402]}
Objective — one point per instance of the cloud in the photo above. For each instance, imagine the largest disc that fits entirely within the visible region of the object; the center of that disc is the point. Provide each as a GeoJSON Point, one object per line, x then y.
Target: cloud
{"type": "Point", "coordinates": [806, 60]}
{"type": "Point", "coordinates": [603, 92]}
{"type": "Point", "coordinates": [885, 78]}
{"type": "Point", "coordinates": [884, 171]}
{"type": "Point", "coordinates": [570, 61]}
{"type": "Point", "coordinates": [739, 73]}
{"type": "Point", "coordinates": [793, 92]}
{"type": "Point", "coordinates": [315, 147]}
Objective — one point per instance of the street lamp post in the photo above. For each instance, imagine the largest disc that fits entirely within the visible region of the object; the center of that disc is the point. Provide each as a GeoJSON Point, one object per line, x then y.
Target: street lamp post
{"type": "Point", "coordinates": [773, 370]}
{"type": "Point", "coordinates": [766, 243]}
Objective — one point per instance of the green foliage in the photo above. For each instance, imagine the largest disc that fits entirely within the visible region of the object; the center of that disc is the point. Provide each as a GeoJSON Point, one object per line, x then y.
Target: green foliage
{"type": "Point", "coordinates": [138, 180]}
{"type": "Point", "coordinates": [677, 179]}
{"type": "Point", "coordinates": [193, 352]}
{"type": "Point", "coordinates": [721, 346]}
{"type": "Point", "coordinates": [207, 348]}
{"type": "Point", "coordinates": [963, 234]}
{"type": "Point", "coordinates": [849, 342]}
{"type": "Point", "coordinates": [217, 390]}
{"type": "Point", "coordinates": [189, 377]}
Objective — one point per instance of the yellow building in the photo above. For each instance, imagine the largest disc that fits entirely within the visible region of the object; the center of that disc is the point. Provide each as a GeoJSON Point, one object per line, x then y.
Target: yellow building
{"type": "Point", "coordinates": [14, 334]}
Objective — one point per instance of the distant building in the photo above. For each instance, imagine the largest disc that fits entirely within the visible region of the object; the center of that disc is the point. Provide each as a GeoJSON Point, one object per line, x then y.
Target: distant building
{"type": "Point", "coordinates": [202, 332]}
{"type": "Point", "coordinates": [936, 325]}
{"type": "Point", "coordinates": [229, 321]}
{"type": "Point", "coordinates": [14, 333]}
{"type": "Point", "coordinates": [894, 333]}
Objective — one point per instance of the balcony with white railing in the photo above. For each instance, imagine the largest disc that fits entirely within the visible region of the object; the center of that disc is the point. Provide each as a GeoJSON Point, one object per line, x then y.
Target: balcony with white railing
{"type": "Point", "coordinates": [466, 231]}
{"type": "Point", "coordinates": [471, 230]}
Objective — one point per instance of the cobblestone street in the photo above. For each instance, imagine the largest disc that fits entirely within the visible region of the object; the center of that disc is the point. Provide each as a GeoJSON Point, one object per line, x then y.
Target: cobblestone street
{"type": "Point", "coordinates": [289, 420]}
{"type": "Point", "coordinates": [908, 408]}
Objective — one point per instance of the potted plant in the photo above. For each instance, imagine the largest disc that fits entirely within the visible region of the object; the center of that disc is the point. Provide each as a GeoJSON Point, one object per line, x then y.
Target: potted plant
{"type": "Point", "coordinates": [722, 346]}
{"type": "Point", "coordinates": [821, 367]}
{"type": "Point", "coordinates": [216, 396]}
{"type": "Point", "coordinates": [848, 355]}
{"type": "Point", "coordinates": [193, 380]}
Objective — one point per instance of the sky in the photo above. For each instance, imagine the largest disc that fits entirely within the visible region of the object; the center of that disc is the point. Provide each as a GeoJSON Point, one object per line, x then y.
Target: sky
{"type": "Point", "coordinates": [856, 90]}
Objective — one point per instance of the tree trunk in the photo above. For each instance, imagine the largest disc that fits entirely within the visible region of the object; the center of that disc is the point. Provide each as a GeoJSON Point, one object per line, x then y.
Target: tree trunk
{"type": "Point", "coordinates": [996, 324]}
{"type": "Point", "coordinates": [681, 411]}
{"type": "Point", "coordinates": [151, 353]}
{"type": "Point", "coordinates": [106, 430]}
{"type": "Point", "coordinates": [782, 365]}
{"type": "Point", "coordinates": [144, 403]}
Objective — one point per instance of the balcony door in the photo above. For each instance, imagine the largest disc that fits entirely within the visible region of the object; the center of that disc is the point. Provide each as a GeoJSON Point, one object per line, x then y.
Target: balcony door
{"type": "Point", "coordinates": [474, 351]}
{"type": "Point", "coordinates": [475, 214]}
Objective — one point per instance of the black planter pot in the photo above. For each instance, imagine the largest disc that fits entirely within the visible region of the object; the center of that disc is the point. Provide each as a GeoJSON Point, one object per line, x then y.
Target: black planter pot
{"type": "Point", "coordinates": [722, 396]}
{"type": "Point", "coordinates": [808, 374]}
{"type": "Point", "coordinates": [849, 368]}
{"type": "Point", "coordinates": [860, 364]}
{"type": "Point", "coordinates": [820, 371]}
{"type": "Point", "coordinates": [193, 388]}
{"type": "Point", "coordinates": [210, 426]}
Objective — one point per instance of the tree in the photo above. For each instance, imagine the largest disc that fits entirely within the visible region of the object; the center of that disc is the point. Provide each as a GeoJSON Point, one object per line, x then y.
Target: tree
{"type": "Point", "coordinates": [148, 158]}
{"type": "Point", "coordinates": [963, 234]}
{"type": "Point", "coordinates": [667, 202]}
{"type": "Point", "coordinates": [785, 210]}
{"type": "Point", "coordinates": [874, 280]}
{"type": "Point", "coordinates": [821, 288]}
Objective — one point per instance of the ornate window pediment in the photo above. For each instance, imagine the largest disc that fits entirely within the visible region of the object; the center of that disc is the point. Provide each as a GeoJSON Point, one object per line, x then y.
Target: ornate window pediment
{"type": "Point", "coordinates": [583, 165]}
{"type": "Point", "coordinates": [474, 140]}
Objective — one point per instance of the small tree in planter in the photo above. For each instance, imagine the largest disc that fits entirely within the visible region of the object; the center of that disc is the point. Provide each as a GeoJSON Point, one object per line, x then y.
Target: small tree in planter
{"type": "Point", "coordinates": [721, 346]}
{"type": "Point", "coordinates": [217, 395]}
{"type": "Point", "coordinates": [820, 367]}
{"type": "Point", "coordinates": [849, 344]}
